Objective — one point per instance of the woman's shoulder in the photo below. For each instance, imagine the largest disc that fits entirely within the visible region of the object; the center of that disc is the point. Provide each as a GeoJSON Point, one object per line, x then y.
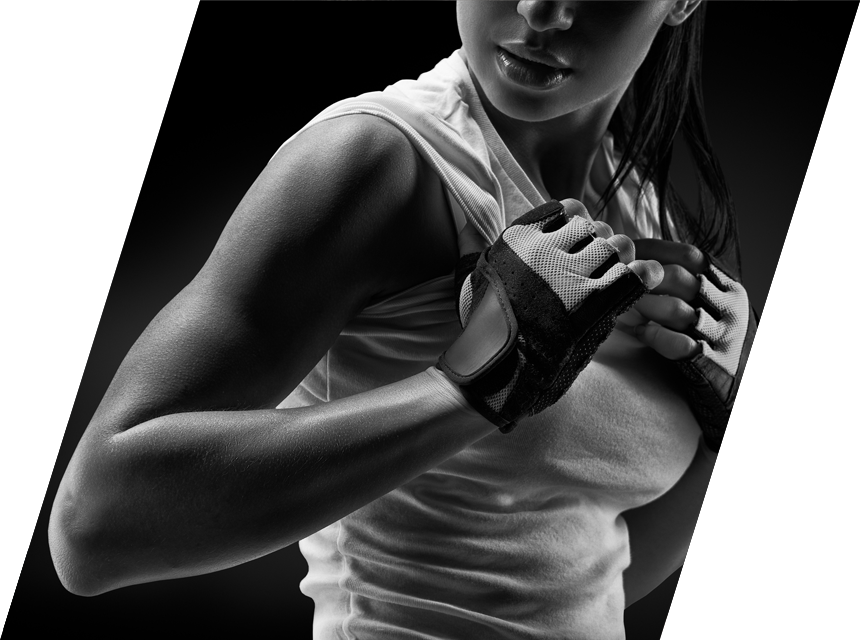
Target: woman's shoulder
{"type": "Point", "coordinates": [340, 149]}
{"type": "Point", "coordinates": [361, 174]}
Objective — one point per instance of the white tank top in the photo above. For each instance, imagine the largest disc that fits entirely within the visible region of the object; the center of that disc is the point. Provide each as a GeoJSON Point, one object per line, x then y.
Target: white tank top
{"type": "Point", "coordinates": [520, 535]}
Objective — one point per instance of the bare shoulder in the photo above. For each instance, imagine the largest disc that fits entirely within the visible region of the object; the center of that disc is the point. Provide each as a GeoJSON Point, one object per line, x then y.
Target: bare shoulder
{"type": "Point", "coordinates": [345, 213]}
{"type": "Point", "coordinates": [355, 188]}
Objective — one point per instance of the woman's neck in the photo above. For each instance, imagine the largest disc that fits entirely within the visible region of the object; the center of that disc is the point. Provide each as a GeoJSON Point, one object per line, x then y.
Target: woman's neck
{"type": "Point", "coordinates": [557, 154]}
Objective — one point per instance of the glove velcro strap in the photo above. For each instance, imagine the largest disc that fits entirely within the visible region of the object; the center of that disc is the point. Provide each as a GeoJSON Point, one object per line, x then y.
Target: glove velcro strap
{"type": "Point", "coordinates": [527, 338]}
{"type": "Point", "coordinates": [553, 345]}
{"type": "Point", "coordinates": [738, 414]}
{"type": "Point", "coordinates": [711, 389]}
{"type": "Point", "coordinates": [547, 211]}
{"type": "Point", "coordinates": [488, 337]}
{"type": "Point", "coordinates": [711, 392]}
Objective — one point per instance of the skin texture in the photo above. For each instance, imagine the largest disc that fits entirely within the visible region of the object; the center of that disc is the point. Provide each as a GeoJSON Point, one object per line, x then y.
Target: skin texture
{"type": "Point", "coordinates": [554, 133]}
{"type": "Point", "coordinates": [192, 405]}
{"type": "Point", "coordinates": [669, 305]}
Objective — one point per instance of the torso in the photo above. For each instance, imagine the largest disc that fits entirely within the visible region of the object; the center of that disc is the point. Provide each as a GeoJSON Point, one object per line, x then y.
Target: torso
{"type": "Point", "coordinates": [519, 535]}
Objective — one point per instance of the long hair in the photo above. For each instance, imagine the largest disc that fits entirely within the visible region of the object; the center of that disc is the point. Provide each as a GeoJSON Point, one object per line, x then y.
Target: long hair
{"type": "Point", "coordinates": [665, 97]}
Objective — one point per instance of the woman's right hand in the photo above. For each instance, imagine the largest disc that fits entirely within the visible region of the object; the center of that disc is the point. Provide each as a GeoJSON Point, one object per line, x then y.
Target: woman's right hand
{"type": "Point", "coordinates": [536, 307]}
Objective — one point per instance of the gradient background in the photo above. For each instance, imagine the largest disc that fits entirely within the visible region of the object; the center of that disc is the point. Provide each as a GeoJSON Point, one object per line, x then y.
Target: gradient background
{"type": "Point", "coordinates": [91, 87]}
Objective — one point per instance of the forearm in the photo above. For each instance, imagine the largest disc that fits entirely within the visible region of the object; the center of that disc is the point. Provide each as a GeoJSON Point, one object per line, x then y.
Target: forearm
{"type": "Point", "coordinates": [191, 493]}
{"type": "Point", "coordinates": [661, 531]}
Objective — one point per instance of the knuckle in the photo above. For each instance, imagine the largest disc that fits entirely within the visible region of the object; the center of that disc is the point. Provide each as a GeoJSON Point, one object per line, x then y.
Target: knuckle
{"type": "Point", "coordinates": [683, 346]}
{"type": "Point", "coordinates": [689, 283]}
{"type": "Point", "coordinates": [683, 311]}
{"type": "Point", "coordinates": [693, 258]}
{"type": "Point", "coordinates": [692, 317]}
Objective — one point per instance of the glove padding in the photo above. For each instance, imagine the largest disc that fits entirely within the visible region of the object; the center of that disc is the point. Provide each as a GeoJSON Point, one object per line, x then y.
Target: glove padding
{"type": "Point", "coordinates": [725, 328]}
{"type": "Point", "coordinates": [537, 306]}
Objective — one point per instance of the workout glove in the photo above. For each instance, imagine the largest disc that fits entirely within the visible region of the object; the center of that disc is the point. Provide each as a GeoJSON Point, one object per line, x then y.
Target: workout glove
{"type": "Point", "coordinates": [536, 307]}
{"type": "Point", "coordinates": [725, 328]}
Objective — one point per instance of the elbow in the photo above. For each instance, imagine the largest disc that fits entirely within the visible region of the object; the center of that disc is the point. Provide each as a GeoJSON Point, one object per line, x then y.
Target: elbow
{"type": "Point", "coordinates": [73, 539]}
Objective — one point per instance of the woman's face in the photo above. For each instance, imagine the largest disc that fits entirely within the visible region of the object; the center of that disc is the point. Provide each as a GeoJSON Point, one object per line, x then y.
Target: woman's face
{"type": "Point", "coordinates": [541, 60]}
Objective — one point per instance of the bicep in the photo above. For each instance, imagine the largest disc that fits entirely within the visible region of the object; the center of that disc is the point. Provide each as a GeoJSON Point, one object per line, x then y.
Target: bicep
{"type": "Point", "coordinates": [315, 237]}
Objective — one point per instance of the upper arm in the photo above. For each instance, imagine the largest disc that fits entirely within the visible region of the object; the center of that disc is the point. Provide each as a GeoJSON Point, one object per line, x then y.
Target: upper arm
{"type": "Point", "coordinates": [324, 228]}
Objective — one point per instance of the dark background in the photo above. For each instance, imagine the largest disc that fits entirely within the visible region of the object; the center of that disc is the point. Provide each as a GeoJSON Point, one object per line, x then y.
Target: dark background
{"type": "Point", "coordinates": [90, 85]}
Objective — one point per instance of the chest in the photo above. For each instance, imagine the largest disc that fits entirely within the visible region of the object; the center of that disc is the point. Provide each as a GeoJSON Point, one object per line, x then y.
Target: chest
{"type": "Point", "coordinates": [623, 433]}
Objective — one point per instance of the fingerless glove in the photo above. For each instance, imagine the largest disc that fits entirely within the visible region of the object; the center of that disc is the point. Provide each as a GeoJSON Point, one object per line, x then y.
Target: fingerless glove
{"type": "Point", "coordinates": [536, 307]}
{"type": "Point", "coordinates": [725, 328]}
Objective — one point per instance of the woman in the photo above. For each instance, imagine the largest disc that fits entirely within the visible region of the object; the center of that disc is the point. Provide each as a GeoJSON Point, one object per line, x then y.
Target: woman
{"type": "Point", "coordinates": [307, 255]}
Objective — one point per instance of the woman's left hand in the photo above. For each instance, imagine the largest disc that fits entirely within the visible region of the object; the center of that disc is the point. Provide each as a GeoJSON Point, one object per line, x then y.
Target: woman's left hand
{"type": "Point", "coordinates": [701, 318]}
{"type": "Point", "coordinates": [663, 318]}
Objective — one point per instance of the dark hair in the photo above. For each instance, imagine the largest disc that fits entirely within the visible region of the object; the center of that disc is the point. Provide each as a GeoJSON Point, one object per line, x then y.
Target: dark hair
{"type": "Point", "coordinates": [664, 98]}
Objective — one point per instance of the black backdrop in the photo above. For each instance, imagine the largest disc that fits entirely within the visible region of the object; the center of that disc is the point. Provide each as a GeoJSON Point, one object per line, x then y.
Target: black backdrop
{"type": "Point", "coordinates": [90, 84]}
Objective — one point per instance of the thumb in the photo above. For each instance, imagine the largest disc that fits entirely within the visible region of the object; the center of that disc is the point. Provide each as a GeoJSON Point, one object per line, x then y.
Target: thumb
{"type": "Point", "coordinates": [469, 240]}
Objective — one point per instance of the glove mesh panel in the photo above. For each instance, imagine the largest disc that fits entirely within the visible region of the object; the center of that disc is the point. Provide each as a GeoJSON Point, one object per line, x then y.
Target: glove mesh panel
{"type": "Point", "coordinates": [724, 336]}
{"type": "Point", "coordinates": [566, 273]}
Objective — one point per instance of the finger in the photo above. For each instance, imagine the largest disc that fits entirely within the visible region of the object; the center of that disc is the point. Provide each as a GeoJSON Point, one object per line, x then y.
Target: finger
{"type": "Point", "coordinates": [632, 318]}
{"type": "Point", "coordinates": [669, 311]}
{"type": "Point", "coordinates": [624, 245]}
{"type": "Point", "coordinates": [649, 271]}
{"type": "Point", "coordinates": [573, 235]}
{"type": "Point", "coordinates": [668, 252]}
{"type": "Point", "coordinates": [469, 240]}
{"type": "Point", "coordinates": [602, 229]}
{"type": "Point", "coordinates": [575, 209]}
{"type": "Point", "coordinates": [629, 321]}
{"type": "Point", "coordinates": [679, 282]}
{"type": "Point", "coordinates": [670, 344]}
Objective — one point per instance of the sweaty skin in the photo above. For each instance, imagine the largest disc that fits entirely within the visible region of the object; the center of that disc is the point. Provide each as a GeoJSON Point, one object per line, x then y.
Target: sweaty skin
{"type": "Point", "coordinates": [187, 467]}
{"type": "Point", "coordinates": [555, 133]}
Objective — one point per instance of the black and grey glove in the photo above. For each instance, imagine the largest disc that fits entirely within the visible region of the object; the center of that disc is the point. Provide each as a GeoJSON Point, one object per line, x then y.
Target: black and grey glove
{"type": "Point", "coordinates": [725, 329]}
{"type": "Point", "coordinates": [536, 307]}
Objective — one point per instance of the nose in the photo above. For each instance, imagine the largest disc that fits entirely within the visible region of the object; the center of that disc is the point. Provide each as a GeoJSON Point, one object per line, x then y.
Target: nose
{"type": "Point", "coordinates": [544, 16]}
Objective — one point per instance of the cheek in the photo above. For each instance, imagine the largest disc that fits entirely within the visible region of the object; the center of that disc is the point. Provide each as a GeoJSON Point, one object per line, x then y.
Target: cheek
{"type": "Point", "coordinates": [616, 54]}
{"type": "Point", "coordinates": [476, 19]}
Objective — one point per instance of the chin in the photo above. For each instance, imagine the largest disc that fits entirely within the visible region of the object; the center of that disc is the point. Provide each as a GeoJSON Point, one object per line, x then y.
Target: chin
{"type": "Point", "coordinates": [539, 107]}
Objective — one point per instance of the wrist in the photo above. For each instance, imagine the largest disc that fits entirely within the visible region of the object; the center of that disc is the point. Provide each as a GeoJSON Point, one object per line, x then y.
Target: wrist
{"type": "Point", "coordinates": [452, 394]}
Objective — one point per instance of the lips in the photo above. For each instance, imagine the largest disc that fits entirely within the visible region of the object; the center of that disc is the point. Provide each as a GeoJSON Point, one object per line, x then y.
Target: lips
{"type": "Point", "coordinates": [534, 54]}
{"type": "Point", "coordinates": [534, 69]}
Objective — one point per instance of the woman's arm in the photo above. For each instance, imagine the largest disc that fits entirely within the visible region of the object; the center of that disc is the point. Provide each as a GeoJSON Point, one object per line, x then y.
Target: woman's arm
{"type": "Point", "coordinates": [187, 467]}
{"type": "Point", "coordinates": [195, 492]}
{"type": "Point", "coordinates": [661, 531]}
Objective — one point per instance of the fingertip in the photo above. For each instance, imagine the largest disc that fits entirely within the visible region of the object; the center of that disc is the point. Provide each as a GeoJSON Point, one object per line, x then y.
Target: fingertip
{"type": "Point", "coordinates": [623, 245]}
{"type": "Point", "coordinates": [670, 344]}
{"type": "Point", "coordinates": [575, 209]}
{"type": "Point", "coordinates": [649, 271]}
{"type": "Point", "coordinates": [656, 270]}
{"type": "Point", "coordinates": [603, 230]}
